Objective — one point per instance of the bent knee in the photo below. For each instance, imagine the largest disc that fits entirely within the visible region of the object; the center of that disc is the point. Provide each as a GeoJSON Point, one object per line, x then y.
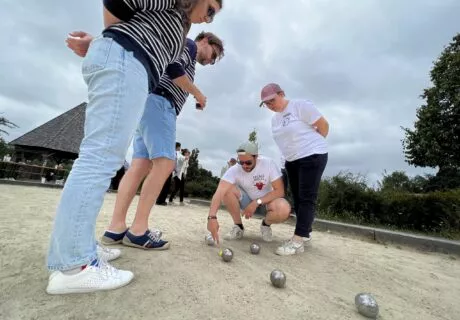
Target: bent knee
{"type": "Point", "coordinates": [282, 207]}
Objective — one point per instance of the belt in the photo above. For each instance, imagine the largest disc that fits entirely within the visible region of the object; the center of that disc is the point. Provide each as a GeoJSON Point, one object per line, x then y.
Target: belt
{"type": "Point", "coordinates": [165, 94]}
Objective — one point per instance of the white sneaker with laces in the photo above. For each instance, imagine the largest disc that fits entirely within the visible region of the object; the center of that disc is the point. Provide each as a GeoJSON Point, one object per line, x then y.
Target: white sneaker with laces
{"type": "Point", "coordinates": [99, 277]}
{"type": "Point", "coordinates": [108, 254]}
{"type": "Point", "coordinates": [266, 232]}
{"type": "Point", "coordinates": [290, 248]}
{"type": "Point", "coordinates": [235, 234]}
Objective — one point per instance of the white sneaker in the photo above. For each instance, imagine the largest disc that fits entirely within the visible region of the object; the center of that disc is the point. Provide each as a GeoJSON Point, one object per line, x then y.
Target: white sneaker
{"type": "Point", "coordinates": [99, 277]}
{"type": "Point", "coordinates": [108, 254]}
{"type": "Point", "coordinates": [235, 234]}
{"type": "Point", "coordinates": [290, 247]}
{"type": "Point", "coordinates": [266, 232]}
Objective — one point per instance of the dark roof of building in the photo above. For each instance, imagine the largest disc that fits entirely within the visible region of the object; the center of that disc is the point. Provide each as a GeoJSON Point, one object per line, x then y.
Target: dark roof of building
{"type": "Point", "coordinates": [63, 133]}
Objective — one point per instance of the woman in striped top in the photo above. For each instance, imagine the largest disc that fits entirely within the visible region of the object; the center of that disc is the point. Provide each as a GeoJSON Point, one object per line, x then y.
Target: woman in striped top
{"type": "Point", "coordinates": [118, 68]}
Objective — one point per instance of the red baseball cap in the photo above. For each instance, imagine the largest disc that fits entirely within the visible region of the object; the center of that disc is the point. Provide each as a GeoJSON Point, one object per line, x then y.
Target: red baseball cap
{"type": "Point", "coordinates": [269, 92]}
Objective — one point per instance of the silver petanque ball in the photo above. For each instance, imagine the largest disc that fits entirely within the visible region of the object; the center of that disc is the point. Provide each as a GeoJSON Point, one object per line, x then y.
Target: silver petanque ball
{"type": "Point", "coordinates": [226, 254]}
{"type": "Point", "coordinates": [209, 240]}
{"type": "Point", "coordinates": [278, 278]}
{"type": "Point", "coordinates": [367, 305]}
{"type": "Point", "coordinates": [255, 248]}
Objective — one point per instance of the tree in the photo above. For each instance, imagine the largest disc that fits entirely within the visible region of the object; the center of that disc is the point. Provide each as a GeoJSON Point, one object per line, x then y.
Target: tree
{"type": "Point", "coordinates": [435, 140]}
{"type": "Point", "coordinates": [6, 123]}
{"type": "Point", "coordinates": [4, 147]}
{"type": "Point", "coordinates": [200, 182]}
{"type": "Point", "coordinates": [193, 168]}
{"type": "Point", "coordinates": [253, 136]}
{"type": "Point", "coordinates": [396, 181]}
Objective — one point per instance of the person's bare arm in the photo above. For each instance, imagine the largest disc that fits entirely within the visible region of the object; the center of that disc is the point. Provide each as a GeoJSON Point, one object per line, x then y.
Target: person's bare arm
{"type": "Point", "coordinates": [277, 192]}
{"type": "Point", "coordinates": [185, 84]}
{"type": "Point", "coordinates": [213, 224]}
{"type": "Point", "coordinates": [322, 126]}
{"type": "Point", "coordinates": [218, 196]}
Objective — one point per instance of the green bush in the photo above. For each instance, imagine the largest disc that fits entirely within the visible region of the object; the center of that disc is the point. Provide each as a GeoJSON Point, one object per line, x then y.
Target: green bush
{"type": "Point", "coordinates": [431, 212]}
{"type": "Point", "coordinates": [200, 189]}
{"type": "Point", "coordinates": [348, 198]}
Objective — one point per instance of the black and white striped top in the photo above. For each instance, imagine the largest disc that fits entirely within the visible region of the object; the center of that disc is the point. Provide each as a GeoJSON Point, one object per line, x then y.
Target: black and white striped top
{"type": "Point", "coordinates": [152, 29]}
{"type": "Point", "coordinates": [185, 65]}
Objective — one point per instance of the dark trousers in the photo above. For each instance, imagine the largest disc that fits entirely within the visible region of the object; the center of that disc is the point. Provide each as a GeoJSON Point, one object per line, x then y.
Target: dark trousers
{"type": "Point", "coordinates": [304, 177]}
{"type": "Point", "coordinates": [179, 185]}
{"type": "Point", "coordinates": [115, 182]}
{"type": "Point", "coordinates": [164, 192]}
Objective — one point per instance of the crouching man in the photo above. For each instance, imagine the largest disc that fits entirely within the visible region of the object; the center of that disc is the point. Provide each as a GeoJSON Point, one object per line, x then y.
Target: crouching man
{"type": "Point", "coordinates": [255, 184]}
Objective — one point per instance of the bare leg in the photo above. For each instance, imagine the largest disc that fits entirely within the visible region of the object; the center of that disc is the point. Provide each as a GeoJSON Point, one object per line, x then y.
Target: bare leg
{"type": "Point", "coordinates": [161, 169]}
{"type": "Point", "coordinates": [278, 211]}
{"type": "Point", "coordinates": [127, 190]}
{"type": "Point", "coordinates": [232, 202]}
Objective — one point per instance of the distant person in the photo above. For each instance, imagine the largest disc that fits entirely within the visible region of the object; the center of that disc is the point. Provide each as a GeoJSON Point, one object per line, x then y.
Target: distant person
{"type": "Point", "coordinates": [230, 163]}
{"type": "Point", "coordinates": [300, 132]}
{"type": "Point", "coordinates": [180, 176]}
{"type": "Point", "coordinates": [167, 185]}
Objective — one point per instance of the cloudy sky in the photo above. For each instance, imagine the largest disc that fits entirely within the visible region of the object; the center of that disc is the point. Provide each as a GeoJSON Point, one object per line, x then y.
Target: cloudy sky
{"type": "Point", "coordinates": [364, 63]}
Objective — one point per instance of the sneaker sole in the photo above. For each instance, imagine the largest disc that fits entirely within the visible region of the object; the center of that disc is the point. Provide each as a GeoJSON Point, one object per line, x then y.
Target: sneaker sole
{"type": "Point", "coordinates": [108, 241]}
{"type": "Point", "coordinates": [128, 243]}
{"type": "Point", "coordinates": [85, 290]}
{"type": "Point", "coordinates": [297, 251]}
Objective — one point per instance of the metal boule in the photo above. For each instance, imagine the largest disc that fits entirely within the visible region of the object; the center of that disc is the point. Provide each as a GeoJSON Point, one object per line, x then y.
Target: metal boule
{"type": "Point", "coordinates": [367, 305]}
{"type": "Point", "coordinates": [209, 240]}
{"type": "Point", "coordinates": [254, 248]}
{"type": "Point", "coordinates": [278, 278]}
{"type": "Point", "coordinates": [226, 254]}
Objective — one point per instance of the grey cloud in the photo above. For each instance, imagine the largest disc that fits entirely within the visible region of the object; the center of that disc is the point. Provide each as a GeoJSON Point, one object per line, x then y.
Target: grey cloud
{"type": "Point", "coordinates": [364, 63]}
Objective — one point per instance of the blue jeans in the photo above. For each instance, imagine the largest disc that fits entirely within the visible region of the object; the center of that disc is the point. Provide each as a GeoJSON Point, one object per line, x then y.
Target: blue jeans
{"type": "Point", "coordinates": [117, 92]}
{"type": "Point", "coordinates": [156, 134]}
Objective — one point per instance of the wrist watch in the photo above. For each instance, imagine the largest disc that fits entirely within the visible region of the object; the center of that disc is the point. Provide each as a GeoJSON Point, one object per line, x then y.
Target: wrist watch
{"type": "Point", "coordinates": [259, 202]}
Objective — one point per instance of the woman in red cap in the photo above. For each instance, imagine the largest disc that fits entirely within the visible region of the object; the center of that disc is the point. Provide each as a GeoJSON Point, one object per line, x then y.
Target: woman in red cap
{"type": "Point", "coordinates": [300, 131]}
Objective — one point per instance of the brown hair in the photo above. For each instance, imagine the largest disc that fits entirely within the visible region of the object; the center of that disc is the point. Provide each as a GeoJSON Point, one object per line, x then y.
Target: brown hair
{"type": "Point", "coordinates": [185, 8]}
{"type": "Point", "coordinates": [213, 40]}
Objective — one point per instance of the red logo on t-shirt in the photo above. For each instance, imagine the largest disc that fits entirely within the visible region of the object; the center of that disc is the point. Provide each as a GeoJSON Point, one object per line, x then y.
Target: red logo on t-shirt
{"type": "Point", "coordinates": [259, 185]}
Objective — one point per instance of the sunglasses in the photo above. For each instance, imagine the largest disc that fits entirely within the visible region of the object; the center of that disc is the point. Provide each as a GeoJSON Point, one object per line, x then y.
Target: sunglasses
{"type": "Point", "coordinates": [210, 15]}
{"type": "Point", "coordinates": [248, 162]}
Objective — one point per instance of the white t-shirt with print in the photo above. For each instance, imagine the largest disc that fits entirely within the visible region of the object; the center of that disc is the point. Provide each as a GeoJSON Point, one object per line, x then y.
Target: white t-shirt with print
{"type": "Point", "coordinates": [258, 182]}
{"type": "Point", "coordinates": [293, 132]}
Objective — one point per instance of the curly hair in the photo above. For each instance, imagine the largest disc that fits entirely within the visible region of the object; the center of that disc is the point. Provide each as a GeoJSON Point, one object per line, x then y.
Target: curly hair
{"type": "Point", "coordinates": [213, 40]}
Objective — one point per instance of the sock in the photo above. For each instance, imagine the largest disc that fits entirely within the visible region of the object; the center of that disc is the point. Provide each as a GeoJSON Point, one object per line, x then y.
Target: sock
{"type": "Point", "coordinates": [240, 225]}
{"type": "Point", "coordinates": [95, 262]}
{"type": "Point", "coordinates": [74, 271]}
{"type": "Point", "coordinates": [264, 224]}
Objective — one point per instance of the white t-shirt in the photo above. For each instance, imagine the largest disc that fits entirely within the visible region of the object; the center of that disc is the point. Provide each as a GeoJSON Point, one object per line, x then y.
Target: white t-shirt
{"type": "Point", "coordinates": [256, 183]}
{"type": "Point", "coordinates": [293, 132]}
